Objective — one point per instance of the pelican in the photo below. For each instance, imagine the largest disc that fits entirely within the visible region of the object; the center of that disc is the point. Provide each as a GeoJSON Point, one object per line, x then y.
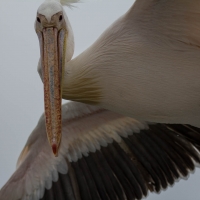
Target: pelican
{"type": "Point", "coordinates": [145, 65]}
{"type": "Point", "coordinates": [103, 155]}
{"type": "Point", "coordinates": [113, 163]}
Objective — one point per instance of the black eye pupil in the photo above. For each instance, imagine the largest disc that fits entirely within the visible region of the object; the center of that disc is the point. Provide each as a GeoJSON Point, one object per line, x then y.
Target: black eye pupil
{"type": "Point", "coordinates": [38, 19]}
{"type": "Point", "coordinates": [60, 18]}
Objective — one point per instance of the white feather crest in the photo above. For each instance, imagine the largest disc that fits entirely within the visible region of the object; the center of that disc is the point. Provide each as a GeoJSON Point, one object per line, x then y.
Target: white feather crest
{"type": "Point", "coordinates": [69, 2]}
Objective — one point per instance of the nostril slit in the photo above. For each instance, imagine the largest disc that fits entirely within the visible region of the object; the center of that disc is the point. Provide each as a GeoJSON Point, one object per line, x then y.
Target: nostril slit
{"type": "Point", "coordinates": [60, 18]}
{"type": "Point", "coordinates": [38, 19]}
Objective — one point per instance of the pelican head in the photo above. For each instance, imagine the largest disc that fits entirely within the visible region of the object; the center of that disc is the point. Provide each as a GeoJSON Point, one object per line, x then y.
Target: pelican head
{"type": "Point", "coordinates": [55, 34]}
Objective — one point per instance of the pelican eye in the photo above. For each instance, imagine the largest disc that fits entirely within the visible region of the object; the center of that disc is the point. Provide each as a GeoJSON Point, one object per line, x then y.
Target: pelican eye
{"type": "Point", "coordinates": [60, 18]}
{"type": "Point", "coordinates": [38, 19]}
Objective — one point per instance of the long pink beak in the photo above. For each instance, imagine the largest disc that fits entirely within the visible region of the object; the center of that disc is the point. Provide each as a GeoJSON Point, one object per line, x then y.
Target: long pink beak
{"type": "Point", "coordinates": [51, 42]}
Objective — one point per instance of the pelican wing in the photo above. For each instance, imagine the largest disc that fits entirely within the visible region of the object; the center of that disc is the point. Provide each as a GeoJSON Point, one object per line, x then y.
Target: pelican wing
{"type": "Point", "coordinates": [103, 155]}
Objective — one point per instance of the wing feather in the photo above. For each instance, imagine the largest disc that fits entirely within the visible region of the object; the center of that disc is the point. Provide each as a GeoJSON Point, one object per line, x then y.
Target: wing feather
{"type": "Point", "coordinates": [103, 155]}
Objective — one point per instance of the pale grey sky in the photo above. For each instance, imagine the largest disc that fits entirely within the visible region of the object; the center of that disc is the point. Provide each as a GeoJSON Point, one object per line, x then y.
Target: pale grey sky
{"type": "Point", "coordinates": [21, 102]}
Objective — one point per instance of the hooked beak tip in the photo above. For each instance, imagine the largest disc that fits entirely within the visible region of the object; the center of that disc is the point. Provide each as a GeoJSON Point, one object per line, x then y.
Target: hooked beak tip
{"type": "Point", "coordinates": [55, 150]}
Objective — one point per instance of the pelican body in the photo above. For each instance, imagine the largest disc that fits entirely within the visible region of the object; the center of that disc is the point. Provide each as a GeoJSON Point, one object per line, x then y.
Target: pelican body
{"type": "Point", "coordinates": [145, 65]}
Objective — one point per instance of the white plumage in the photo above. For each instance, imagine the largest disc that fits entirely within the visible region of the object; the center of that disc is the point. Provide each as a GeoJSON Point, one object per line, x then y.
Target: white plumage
{"type": "Point", "coordinates": [145, 65]}
{"type": "Point", "coordinates": [68, 3]}
{"type": "Point", "coordinates": [38, 190]}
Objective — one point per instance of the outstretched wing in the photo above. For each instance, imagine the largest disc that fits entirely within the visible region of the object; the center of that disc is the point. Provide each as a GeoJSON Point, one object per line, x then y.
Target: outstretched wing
{"type": "Point", "coordinates": [103, 155]}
